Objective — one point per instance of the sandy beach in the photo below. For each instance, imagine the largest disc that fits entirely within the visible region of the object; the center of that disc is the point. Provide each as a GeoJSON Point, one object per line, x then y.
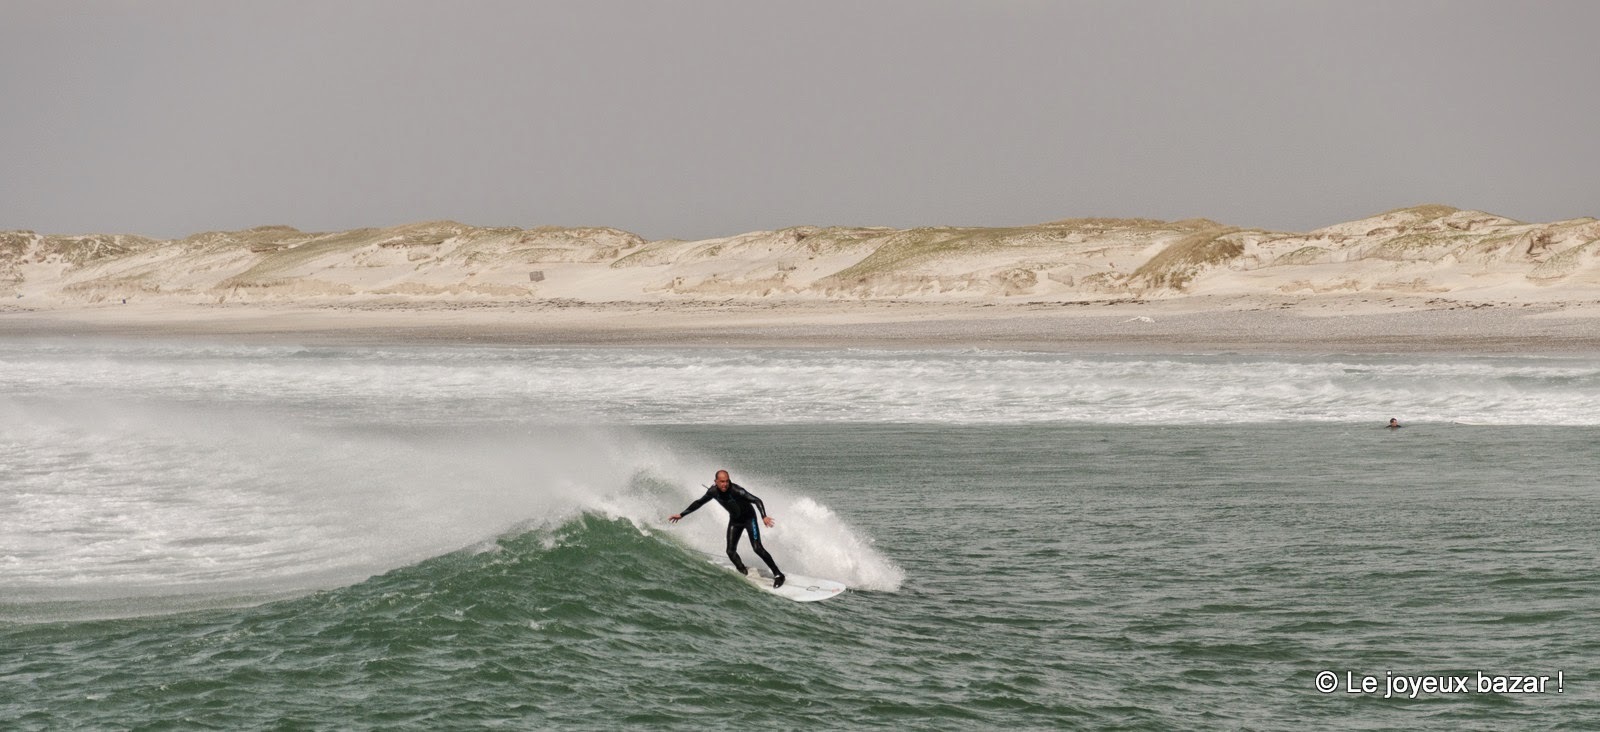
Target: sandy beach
{"type": "Point", "coordinates": [1327, 324]}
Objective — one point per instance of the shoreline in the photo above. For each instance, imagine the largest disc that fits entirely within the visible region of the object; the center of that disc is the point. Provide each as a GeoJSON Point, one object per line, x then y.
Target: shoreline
{"type": "Point", "coordinates": [1199, 325]}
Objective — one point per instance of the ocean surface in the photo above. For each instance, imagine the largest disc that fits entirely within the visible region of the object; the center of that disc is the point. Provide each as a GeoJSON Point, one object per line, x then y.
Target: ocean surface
{"type": "Point", "coordinates": [225, 536]}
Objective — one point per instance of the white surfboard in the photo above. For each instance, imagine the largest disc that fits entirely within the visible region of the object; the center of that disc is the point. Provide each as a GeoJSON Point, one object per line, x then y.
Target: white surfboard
{"type": "Point", "coordinates": [797, 587]}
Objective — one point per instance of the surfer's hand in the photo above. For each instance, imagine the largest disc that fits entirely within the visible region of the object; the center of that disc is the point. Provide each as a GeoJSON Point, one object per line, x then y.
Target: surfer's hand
{"type": "Point", "coordinates": [674, 518]}
{"type": "Point", "coordinates": [767, 520]}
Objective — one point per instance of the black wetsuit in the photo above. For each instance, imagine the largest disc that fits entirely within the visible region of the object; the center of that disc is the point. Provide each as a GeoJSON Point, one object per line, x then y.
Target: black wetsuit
{"type": "Point", "coordinates": [742, 506]}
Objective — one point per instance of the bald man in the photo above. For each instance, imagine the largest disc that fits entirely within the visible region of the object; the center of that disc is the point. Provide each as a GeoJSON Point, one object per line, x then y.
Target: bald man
{"type": "Point", "coordinates": [742, 507]}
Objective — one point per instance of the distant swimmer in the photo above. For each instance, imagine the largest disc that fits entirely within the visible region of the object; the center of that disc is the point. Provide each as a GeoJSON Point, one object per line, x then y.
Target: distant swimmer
{"type": "Point", "coordinates": [742, 506]}
{"type": "Point", "coordinates": [1394, 424]}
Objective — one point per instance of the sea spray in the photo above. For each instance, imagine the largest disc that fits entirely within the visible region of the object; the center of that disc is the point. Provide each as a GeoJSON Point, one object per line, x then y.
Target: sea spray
{"type": "Point", "coordinates": [146, 499]}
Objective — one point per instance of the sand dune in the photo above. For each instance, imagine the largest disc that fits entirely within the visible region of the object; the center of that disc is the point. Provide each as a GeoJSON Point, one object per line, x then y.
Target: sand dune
{"type": "Point", "coordinates": [1426, 251]}
{"type": "Point", "coordinates": [1424, 279]}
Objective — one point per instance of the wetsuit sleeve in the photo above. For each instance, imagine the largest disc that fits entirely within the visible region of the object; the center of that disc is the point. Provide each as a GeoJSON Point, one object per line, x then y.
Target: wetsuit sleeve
{"type": "Point", "coordinates": [762, 507]}
{"type": "Point", "coordinates": [698, 502]}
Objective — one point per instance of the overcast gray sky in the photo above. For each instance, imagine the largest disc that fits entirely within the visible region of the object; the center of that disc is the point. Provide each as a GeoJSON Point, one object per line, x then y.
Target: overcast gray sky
{"type": "Point", "coordinates": [706, 118]}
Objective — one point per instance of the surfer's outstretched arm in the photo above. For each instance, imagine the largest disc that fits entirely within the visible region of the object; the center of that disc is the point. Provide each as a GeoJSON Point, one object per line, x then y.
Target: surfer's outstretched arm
{"type": "Point", "coordinates": [701, 501]}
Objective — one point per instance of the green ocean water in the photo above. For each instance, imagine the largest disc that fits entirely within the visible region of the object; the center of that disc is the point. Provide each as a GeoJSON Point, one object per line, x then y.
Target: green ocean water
{"type": "Point", "coordinates": [1055, 576]}
{"type": "Point", "coordinates": [243, 537]}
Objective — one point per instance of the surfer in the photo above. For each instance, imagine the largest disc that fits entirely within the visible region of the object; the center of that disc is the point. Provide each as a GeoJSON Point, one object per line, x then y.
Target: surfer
{"type": "Point", "coordinates": [742, 507]}
{"type": "Point", "coordinates": [1394, 424]}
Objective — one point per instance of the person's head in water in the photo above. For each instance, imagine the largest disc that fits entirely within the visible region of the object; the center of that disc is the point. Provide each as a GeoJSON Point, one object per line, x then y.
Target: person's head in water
{"type": "Point", "coordinates": [1394, 422]}
{"type": "Point", "coordinates": [722, 480]}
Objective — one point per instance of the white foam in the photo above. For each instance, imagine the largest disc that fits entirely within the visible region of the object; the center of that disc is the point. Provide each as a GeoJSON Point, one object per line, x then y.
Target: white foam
{"type": "Point", "coordinates": [655, 386]}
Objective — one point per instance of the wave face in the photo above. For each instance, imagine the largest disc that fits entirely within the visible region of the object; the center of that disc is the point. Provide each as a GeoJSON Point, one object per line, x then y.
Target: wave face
{"type": "Point", "coordinates": [521, 629]}
{"type": "Point", "coordinates": [516, 386]}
